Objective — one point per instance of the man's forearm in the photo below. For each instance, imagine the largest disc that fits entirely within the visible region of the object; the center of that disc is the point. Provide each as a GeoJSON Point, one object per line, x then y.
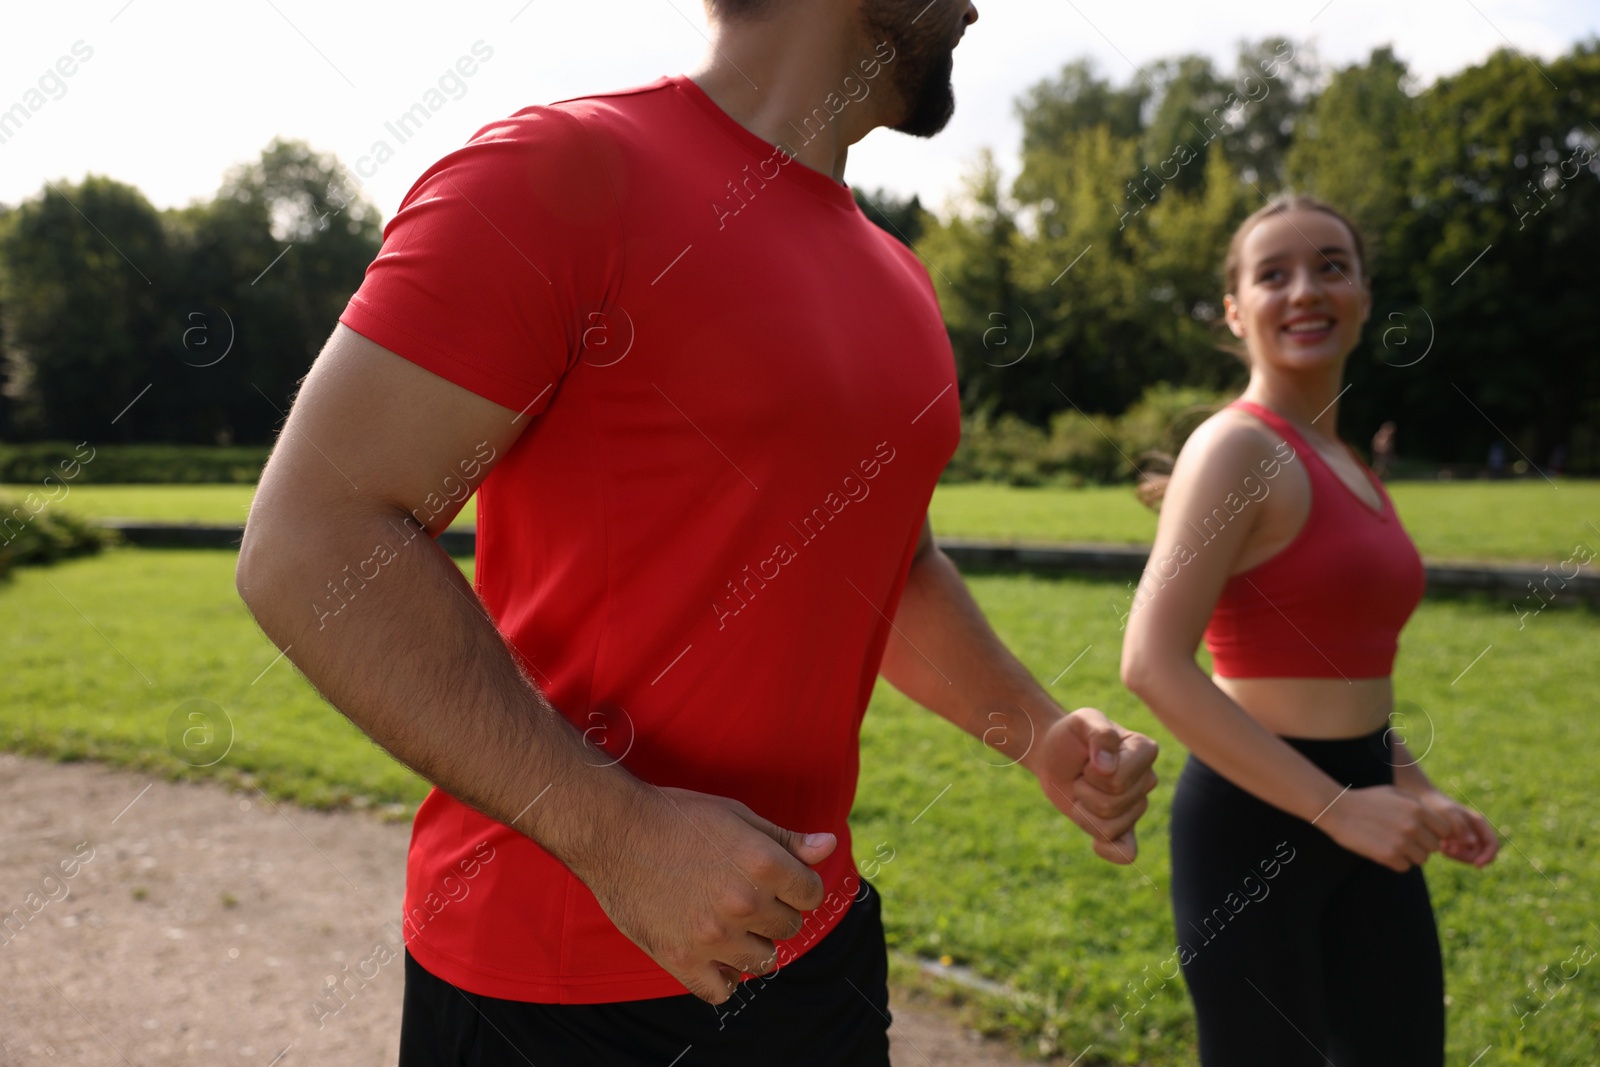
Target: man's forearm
{"type": "Point", "coordinates": [943, 654]}
{"type": "Point", "coordinates": [410, 657]}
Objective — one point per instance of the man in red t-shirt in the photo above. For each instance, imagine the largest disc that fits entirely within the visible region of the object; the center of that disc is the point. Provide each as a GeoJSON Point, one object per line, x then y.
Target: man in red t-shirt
{"type": "Point", "coordinates": [704, 402]}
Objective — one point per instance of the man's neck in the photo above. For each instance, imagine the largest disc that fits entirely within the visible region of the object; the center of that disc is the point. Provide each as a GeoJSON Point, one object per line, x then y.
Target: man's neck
{"type": "Point", "coordinates": [813, 91]}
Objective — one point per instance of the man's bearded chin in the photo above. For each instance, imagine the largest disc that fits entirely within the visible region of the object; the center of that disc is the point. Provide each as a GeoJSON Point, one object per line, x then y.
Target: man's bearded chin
{"type": "Point", "coordinates": [923, 62]}
{"type": "Point", "coordinates": [925, 86]}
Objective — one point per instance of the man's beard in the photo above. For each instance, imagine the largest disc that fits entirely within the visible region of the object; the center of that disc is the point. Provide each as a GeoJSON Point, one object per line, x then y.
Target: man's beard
{"type": "Point", "coordinates": [922, 64]}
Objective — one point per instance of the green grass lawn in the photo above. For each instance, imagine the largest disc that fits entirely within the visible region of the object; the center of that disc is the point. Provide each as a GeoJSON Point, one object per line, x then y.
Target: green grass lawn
{"type": "Point", "coordinates": [990, 874]}
{"type": "Point", "coordinates": [216, 504]}
{"type": "Point", "coordinates": [212, 504]}
{"type": "Point", "coordinates": [1524, 520]}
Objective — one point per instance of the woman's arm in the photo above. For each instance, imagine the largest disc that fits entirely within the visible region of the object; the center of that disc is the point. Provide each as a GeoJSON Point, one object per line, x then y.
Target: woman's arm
{"type": "Point", "coordinates": [1224, 458]}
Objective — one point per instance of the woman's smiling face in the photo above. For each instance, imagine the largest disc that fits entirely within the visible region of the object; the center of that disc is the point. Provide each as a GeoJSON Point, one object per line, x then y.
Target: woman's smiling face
{"type": "Point", "coordinates": [1302, 295]}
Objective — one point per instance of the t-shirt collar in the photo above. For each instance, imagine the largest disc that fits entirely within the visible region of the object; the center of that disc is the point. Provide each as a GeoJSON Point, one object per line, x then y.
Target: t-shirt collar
{"type": "Point", "coordinates": [837, 193]}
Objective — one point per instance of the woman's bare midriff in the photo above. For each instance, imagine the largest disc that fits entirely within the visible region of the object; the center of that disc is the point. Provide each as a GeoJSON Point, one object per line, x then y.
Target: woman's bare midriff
{"type": "Point", "coordinates": [1323, 708]}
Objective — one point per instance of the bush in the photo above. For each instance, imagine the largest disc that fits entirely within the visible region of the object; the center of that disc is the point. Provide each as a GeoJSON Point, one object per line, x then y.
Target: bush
{"type": "Point", "coordinates": [29, 536]}
{"type": "Point", "coordinates": [109, 464]}
{"type": "Point", "coordinates": [1075, 450]}
{"type": "Point", "coordinates": [1164, 417]}
{"type": "Point", "coordinates": [1081, 448]}
{"type": "Point", "coordinates": [1008, 450]}
{"type": "Point", "coordinates": [1085, 447]}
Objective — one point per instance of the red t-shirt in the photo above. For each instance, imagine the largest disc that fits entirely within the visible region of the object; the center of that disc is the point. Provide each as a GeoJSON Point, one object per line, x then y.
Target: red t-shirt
{"type": "Point", "coordinates": [739, 395]}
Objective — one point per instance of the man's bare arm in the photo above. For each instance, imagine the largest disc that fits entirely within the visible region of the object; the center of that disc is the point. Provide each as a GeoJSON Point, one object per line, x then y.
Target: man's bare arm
{"type": "Point", "coordinates": [944, 655]}
{"type": "Point", "coordinates": [376, 450]}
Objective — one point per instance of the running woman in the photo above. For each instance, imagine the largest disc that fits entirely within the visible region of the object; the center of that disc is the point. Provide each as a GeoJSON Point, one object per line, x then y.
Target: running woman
{"type": "Point", "coordinates": [1301, 819]}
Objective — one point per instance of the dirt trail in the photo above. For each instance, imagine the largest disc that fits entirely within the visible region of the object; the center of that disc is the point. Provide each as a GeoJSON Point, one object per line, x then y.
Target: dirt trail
{"type": "Point", "coordinates": [176, 923]}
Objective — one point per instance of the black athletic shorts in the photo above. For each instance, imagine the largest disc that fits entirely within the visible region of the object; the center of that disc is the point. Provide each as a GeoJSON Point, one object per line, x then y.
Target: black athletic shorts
{"type": "Point", "coordinates": [829, 1007]}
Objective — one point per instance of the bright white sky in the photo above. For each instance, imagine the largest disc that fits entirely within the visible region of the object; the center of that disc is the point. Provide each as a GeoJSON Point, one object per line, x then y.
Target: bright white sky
{"type": "Point", "coordinates": [178, 90]}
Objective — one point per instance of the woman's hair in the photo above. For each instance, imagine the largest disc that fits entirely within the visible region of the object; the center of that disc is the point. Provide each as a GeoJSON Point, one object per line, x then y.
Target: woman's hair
{"type": "Point", "coordinates": [1282, 204]}
{"type": "Point", "coordinates": [1152, 484]}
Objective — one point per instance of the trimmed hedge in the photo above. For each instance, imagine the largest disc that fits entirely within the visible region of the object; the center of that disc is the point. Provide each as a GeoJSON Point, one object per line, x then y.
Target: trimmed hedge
{"type": "Point", "coordinates": [33, 531]}
{"type": "Point", "coordinates": [1079, 448]}
{"type": "Point", "coordinates": [1076, 449]}
{"type": "Point", "coordinates": [111, 464]}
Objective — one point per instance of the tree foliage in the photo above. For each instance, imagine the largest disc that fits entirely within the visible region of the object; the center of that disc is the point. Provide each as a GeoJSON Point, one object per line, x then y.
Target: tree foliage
{"type": "Point", "coordinates": [1068, 292]}
{"type": "Point", "coordinates": [122, 323]}
{"type": "Point", "coordinates": [1105, 252]}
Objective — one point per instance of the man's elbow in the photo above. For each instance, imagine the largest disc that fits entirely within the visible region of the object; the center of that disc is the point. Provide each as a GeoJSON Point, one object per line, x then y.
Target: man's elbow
{"type": "Point", "coordinates": [927, 554]}
{"type": "Point", "coordinates": [249, 573]}
{"type": "Point", "coordinates": [267, 556]}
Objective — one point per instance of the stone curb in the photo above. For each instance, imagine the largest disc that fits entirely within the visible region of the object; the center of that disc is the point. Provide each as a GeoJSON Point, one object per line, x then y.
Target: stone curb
{"type": "Point", "coordinates": [1522, 583]}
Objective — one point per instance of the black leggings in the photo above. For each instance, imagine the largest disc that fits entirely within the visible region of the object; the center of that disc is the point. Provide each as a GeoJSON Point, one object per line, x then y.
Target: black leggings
{"type": "Point", "coordinates": [1296, 950]}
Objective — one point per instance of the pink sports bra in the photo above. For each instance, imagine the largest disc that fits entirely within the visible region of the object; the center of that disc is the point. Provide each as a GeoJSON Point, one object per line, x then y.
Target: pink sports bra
{"type": "Point", "coordinates": [1332, 602]}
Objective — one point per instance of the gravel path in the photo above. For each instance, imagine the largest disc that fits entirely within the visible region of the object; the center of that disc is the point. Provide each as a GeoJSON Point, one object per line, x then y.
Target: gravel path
{"type": "Point", "coordinates": [152, 923]}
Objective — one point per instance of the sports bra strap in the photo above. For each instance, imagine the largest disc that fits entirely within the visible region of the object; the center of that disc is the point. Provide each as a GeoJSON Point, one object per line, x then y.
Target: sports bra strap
{"type": "Point", "coordinates": [1282, 426]}
{"type": "Point", "coordinates": [1285, 430]}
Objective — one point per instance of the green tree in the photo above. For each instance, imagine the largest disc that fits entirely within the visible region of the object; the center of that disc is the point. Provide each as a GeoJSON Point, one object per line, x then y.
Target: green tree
{"type": "Point", "coordinates": [1251, 114]}
{"type": "Point", "coordinates": [7, 418]}
{"type": "Point", "coordinates": [1192, 110]}
{"type": "Point", "coordinates": [1177, 259]}
{"type": "Point", "coordinates": [1354, 148]}
{"type": "Point", "coordinates": [1497, 240]}
{"type": "Point", "coordinates": [81, 268]}
{"type": "Point", "coordinates": [219, 307]}
{"type": "Point", "coordinates": [903, 219]}
{"type": "Point", "coordinates": [1055, 111]}
{"type": "Point", "coordinates": [268, 265]}
{"type": "Point", "coordinates": [1072, 269]}
{"type": "Point", "coordinates": [1276, 80]}
{"type": "Point", "coordinates": [969, 260]}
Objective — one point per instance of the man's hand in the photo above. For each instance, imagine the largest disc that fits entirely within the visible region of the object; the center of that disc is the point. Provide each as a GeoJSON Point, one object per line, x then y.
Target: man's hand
{"type": "Point", "coordinates": [705, 886]}
{"type": "Point", "coordinates": [938, 622]}
{"type": "Point", "coordinates": [1098, 775]}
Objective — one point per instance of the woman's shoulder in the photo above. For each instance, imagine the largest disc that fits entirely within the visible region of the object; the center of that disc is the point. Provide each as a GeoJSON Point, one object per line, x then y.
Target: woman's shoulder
{"type": "Point", "coordinates": [1223, 453]}
{"type": "Point", "coordinates": [1232, 438]}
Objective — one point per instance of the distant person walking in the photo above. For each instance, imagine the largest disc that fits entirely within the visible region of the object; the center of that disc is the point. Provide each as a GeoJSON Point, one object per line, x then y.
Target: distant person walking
{"type": "Point", "coordinates": [1383, 449]}
{"type": "Point", "coordinates": [1301, 820]}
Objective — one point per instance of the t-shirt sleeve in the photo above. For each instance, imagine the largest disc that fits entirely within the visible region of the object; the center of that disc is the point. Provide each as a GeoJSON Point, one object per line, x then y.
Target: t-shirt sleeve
{"type": "Point", "coordinates": [495, 257]}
